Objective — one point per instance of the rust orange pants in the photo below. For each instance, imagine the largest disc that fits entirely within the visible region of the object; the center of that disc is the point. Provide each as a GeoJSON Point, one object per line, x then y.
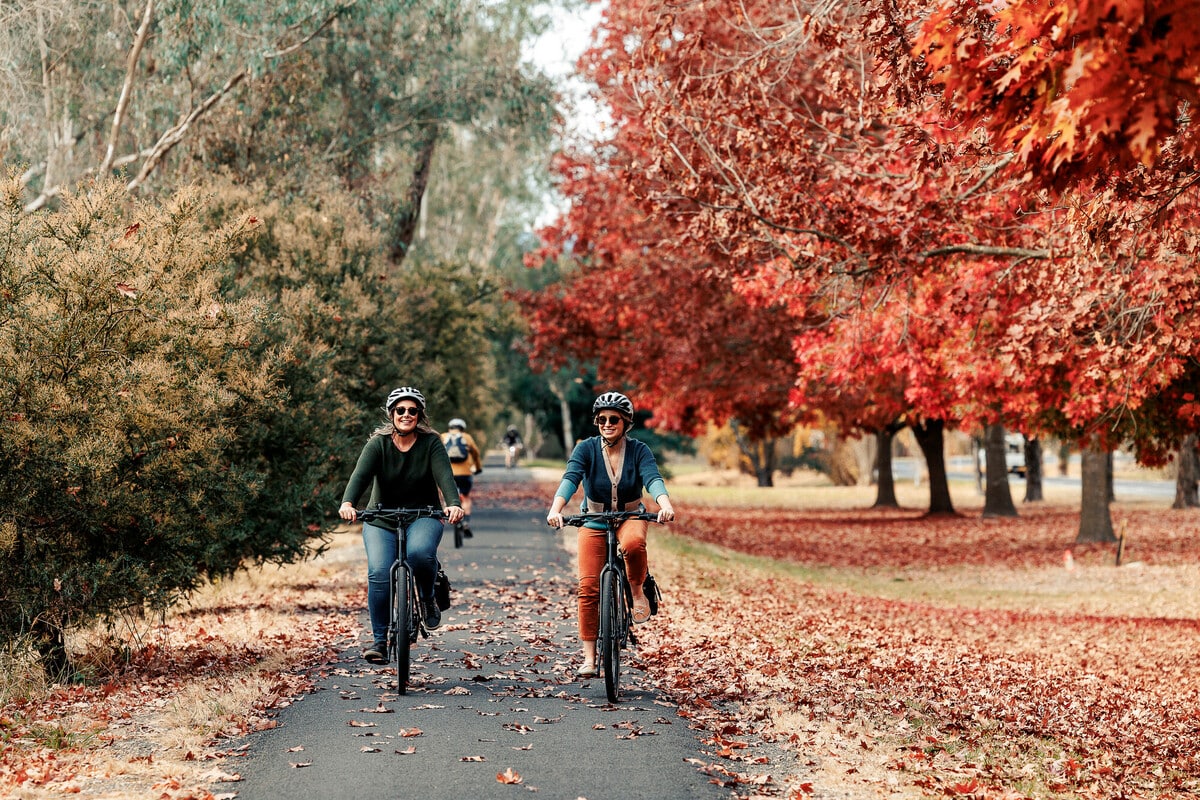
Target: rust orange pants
{"type": "Point", "coordinates": [632, 538]}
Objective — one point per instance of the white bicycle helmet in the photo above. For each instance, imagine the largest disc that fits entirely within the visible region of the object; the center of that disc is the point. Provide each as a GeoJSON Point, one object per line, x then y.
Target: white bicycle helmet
{"type": "Point", "coordinates": [461, 424]}
{"type": "Point", "coordinates": [616, 402]}
{"type": "Point", "coordinates": [397, 395]}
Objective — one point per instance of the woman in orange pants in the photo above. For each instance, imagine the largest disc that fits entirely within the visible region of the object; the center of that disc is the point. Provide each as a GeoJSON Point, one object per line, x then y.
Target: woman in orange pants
{"type": "Point", "coordinates": [613, 470]}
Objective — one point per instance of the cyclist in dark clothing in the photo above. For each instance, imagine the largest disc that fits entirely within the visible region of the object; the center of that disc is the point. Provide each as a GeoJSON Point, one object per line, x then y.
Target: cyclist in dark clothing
{"type": "Point", "coordinates": [405, 466]}
{"type": "Point", "coordinates": [512, 446]}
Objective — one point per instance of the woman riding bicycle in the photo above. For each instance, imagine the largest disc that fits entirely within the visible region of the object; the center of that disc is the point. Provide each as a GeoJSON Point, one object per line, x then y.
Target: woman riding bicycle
{"type": "Point", "coordinates": [406, 466]}
{"type": "Point", "coordinates": [613, 469]}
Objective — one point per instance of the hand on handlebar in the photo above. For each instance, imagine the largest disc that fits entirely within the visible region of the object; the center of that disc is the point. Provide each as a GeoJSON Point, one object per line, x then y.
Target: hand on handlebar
{"type": "Point", "coordinates": [347, 512]}
{"type": "Point", "coordinates": [454, 513]}
{"type": "Point", "coordinates": [554, 519]}
{"type": "Point", "coordinates": [666, 513]}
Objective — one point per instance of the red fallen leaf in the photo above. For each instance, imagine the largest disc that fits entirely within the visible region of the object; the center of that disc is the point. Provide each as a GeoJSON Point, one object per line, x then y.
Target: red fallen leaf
{"type": "Point", "coordinates": [132, 229]}
{"type": "Point", "coordinates": [509, 776]}
{"type": "Point", "coordinates": [126, 290]}
{"type": "Point", "coordinates": [410, 732]}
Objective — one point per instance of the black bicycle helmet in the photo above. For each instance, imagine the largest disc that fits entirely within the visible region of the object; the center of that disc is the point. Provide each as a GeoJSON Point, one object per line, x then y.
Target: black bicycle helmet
{"type": "Point", "coordinates": [614, 401]}
{"type": "Point", "coordinates": [397, 395]}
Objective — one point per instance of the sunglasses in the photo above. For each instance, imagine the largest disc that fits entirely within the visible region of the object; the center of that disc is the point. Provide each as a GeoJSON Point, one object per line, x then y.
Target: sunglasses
{"type": "Point", "coordinates": [602, 420]}
{"type": "Point", "coordinates": [406, 411]}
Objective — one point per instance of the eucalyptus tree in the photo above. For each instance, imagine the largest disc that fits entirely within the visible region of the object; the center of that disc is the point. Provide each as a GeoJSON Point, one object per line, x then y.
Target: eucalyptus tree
{"type": "Point", "coordinates": [365, 91]}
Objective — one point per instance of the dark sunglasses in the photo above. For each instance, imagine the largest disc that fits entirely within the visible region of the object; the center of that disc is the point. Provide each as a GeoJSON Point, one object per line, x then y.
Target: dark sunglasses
{"type": "Point", "coordinates": [602, 420]}
{"type": "Point", "coordinates": [406, 411]}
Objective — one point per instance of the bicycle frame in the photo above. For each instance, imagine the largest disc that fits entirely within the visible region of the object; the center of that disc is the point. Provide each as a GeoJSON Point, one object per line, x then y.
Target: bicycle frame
{"type": "Point", "coordinates": [406, 622]}
{"type": "Point", "coordinates": [616, 595]}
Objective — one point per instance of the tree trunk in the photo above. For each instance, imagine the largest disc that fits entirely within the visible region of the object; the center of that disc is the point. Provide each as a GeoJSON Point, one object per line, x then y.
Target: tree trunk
{"type": "Point", "coordinates": [51, 646]}
{"type": "Point", "coordinates": [568, 430]}
{"type": "Point", "coordinates": [930, 437]}
{"type": "Point", "coordinates": [1095, 518]}
{"type": "Point", "coordinates": [1187, 473]}
{"type": "Point", "coordinates": [980, 463]}
{"type": "Point", "coordinates": [1108, 478]}
{"type": "Point", "coordinates": [404, 223]}
{"type": "Point", "coordinates": [997, 500]}
{"type": "Point", "coordinates": [885, 495]}
{"type": "Point", "coordinates": [761, 455]}
{"type": "Point", "coordinates": [1033, 471]}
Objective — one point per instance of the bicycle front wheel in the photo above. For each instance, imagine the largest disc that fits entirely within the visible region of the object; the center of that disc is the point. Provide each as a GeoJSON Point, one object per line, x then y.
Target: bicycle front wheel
{"type": "Point", "coordinates": [610, 632]}
{"type": "Point", "coordinates": [402, 620]}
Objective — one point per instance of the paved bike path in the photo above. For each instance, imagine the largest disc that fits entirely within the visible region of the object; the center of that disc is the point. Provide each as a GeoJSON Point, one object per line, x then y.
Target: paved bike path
{"type": "Point", "coordinates": [494, 692]}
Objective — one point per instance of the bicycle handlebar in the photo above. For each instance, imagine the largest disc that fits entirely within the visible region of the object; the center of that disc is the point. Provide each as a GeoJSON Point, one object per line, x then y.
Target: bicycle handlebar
{"type": "Point", "coordinates": [577, 520]}
{"type": "Point", "coordinates": [397, 515]}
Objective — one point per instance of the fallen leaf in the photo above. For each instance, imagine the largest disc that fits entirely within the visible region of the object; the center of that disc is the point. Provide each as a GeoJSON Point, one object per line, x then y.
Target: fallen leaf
{"type": "Point", "coordinates": [509, 776]}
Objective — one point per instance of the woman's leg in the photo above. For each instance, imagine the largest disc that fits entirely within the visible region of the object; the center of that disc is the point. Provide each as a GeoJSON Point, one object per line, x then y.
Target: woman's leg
{"type": "Point", "coordinates": [591, 561]}
{"type": "Point", "coordinates": [381, 546]}
{"type": "Point", "coordinates": [424, 536]}
{"type": "Point", "coordinates": [632, 538]}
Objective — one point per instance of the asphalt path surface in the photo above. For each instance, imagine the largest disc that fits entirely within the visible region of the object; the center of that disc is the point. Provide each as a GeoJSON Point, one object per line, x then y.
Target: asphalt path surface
{"type": "Point", "coordinates": [494, 694]}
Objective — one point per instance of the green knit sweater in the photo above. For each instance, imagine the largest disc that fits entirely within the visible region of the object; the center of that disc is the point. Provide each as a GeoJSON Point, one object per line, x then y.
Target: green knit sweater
{"type": "Point", "coordinates": [403, 480]}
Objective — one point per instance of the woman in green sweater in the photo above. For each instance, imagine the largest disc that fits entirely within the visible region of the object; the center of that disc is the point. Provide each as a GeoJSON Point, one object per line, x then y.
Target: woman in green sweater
{"type": "Point", "coordinates": [406, 466]}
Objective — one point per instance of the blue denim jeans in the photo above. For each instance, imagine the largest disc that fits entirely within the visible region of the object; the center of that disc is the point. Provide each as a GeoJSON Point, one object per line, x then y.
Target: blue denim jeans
{"type": "Point", "coordinates": [424, 536]}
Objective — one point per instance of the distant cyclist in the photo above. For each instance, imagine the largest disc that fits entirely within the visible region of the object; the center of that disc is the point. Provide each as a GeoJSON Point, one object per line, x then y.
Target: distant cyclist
{"type": "Point", "coordinates": [465, 461]}
{"type": "Point", "coordinates": [405, 466]}
{"type": "Point", "coordinates": [613, 469]}
{"type": "Point", "coordinates": [512, 446]}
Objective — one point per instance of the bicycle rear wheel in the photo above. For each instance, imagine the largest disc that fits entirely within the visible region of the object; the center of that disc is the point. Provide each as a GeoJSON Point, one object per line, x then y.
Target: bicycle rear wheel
{"type": "Point", "coordinates": [610, 632]}
{"type": "Point", "coordinates": [402, 618]}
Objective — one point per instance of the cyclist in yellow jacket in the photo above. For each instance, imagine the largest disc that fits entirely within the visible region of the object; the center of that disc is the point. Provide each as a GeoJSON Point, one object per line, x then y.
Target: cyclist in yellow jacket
{"type": "Point", "coordinates": [465, 462]}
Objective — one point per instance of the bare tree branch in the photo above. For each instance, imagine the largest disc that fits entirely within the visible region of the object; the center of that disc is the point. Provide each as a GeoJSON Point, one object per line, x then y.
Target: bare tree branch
{"type": "Point", "coordinates": [135, 53]}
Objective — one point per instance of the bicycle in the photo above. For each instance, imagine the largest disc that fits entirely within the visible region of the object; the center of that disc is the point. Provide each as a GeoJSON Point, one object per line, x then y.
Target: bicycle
{"type": "Point", "coordinates": [616, 595]}
{"type": "Point", "coordinates": [512, 453]}
{"type": "Point", "coordinates": [406, 622]}
{"type": "Point", "coordinates": [459, 533]}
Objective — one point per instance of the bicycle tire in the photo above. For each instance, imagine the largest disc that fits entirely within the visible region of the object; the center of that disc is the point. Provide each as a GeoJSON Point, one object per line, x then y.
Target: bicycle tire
{"type": "Point", "coordinates": [458, 534]}
{"type": "Point", "coordinates": [402, 624]}
{"type": "Point", "coordinates": [610, 633]}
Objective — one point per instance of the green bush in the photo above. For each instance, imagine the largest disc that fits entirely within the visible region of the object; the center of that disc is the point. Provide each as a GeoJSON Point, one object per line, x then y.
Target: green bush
{"type": "Point", "coordinates": [148, 435]}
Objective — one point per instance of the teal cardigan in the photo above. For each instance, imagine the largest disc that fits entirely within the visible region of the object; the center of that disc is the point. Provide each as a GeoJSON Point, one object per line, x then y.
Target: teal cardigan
{"type": "Point", "coordinates": [586, 467]}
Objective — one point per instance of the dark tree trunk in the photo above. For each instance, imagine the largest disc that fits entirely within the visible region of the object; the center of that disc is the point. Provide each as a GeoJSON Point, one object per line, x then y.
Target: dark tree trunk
{"type": "Point", "coordinates": [1108, 478]}
{"type": "Point", "coordinates": [1095, 518]}
{"type": "Point", "coordinates": [760, 454]}
{"type": "Point", "coordinates": [885, 495]}
{"type": "Point", "coordinates": [404, 222]}
{"type": "Point", "coordinates": [1033, 471]}
{"type": "Point", "coordinates": [1064, 459]}
{"type": "Point", "coordinates": [930, 437]}
{"type": "Point", "coordinates": [997, 501]}
{"type": "Point", "coordinates": [1187, 474]}
{"type": "Point", "coordinates": [51, 645]}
